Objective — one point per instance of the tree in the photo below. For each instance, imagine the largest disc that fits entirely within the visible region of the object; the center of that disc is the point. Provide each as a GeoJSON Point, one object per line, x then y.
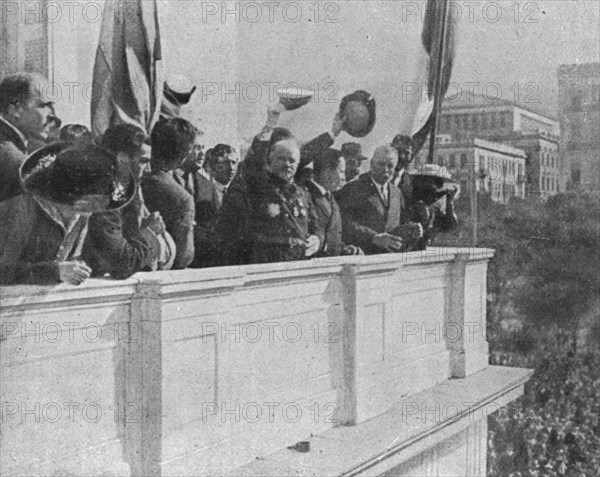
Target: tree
{"type": "Point", "coordinates": [547, 254]}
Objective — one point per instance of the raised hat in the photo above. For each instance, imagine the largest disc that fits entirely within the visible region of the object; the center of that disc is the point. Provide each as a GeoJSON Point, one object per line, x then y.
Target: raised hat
{"type": "Point", "coordinates": [178, 90]}
{"type": "Point", "coordinates": [64, 174]}
{"type": "Point", "coordinates": [358, 111]}
{"type": "Point", "coordinates": [293, 98]}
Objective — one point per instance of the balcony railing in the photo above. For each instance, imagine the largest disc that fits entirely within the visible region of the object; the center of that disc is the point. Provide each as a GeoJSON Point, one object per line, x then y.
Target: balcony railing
{"type": "Point", "coordinates": [197, 372]}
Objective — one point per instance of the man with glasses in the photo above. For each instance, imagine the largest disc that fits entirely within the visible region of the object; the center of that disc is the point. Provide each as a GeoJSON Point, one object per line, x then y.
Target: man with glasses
{"type": "Point", "coordinates": [24, 116]}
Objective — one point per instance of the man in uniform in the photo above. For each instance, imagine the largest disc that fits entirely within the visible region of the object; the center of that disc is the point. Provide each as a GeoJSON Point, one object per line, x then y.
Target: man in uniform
{"type": "Point", "coordinates": [281, 222]}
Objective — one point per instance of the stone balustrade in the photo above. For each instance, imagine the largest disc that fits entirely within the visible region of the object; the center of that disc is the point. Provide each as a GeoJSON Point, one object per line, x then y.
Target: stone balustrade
{"type": "Point", "coordinates": [199, 372]}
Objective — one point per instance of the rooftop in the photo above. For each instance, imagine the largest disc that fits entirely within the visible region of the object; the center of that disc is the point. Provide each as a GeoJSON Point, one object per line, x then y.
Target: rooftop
{"type": "Point", "coordinates": [584, 69]}
{"type": "Point", "coordinates": [478, 101]}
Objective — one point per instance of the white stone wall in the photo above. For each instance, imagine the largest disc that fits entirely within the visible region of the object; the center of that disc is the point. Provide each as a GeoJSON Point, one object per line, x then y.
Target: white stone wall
{"type": "Point", "coordinates": [200, 371]}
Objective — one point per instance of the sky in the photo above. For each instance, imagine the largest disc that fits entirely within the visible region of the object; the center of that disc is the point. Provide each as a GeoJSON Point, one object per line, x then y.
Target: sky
{"type": "Point", "coordinates": [238, 54]}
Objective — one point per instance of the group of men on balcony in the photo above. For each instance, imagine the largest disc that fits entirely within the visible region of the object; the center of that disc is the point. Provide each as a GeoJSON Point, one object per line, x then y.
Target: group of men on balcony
{"type": "Point", "coordinates": [127, 201]}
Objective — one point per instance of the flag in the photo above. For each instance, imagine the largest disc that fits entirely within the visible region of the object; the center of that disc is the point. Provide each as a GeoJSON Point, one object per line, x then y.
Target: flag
{"type": "Point", "coordinates": [127, 83]}
{"type": "Point", "coordinates": [439, 27]}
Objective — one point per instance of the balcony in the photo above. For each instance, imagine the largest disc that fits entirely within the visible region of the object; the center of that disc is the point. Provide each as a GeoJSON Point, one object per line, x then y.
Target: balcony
{"type": "Point", "coordinates": [372, 363]}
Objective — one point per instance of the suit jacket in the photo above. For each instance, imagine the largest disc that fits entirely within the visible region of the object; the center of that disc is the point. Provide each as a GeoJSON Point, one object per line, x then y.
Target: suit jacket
{"type": "Point", "coordinates": [176, 206]}
{"type": "Point", "coordinates": [117, 245]}
{"type": "Point", "coordinates": [365, 215]}
{"type": "Point", "coordinates": [30, 242]}
{"type": "Point", "coordinates": [208, 198]}
{"type": "Point", "coordinates": [314, 149]}
{"type": "Point", "coordinates": [13, 152]}
{"type": "Point", "coordinates": [404, 183]}
{"type": "Point", "coordinates": [330, 220]}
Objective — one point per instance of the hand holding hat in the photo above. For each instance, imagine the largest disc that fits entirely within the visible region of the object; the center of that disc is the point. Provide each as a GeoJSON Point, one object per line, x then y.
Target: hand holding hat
{"type": "Point", "coordinates": [338, 124]}
{"type": "Point", "coordinates": [273, 113]}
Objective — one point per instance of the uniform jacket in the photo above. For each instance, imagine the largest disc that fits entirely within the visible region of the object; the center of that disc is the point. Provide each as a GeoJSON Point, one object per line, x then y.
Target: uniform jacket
{"type": "Point", "coordinates": [30, 242]}
{"type": "Point", "coordinates": [13, 152]}
{"type": "Point", "coordinates": [117, 245]}
{"type": "Point", "coordinates": [281, 211]}
{"type": "Point", "coordinates": [264, 219]}
{"type": "Point", "coordinates": [176, 206]}
{"type": "Point", "coordinates": [365, 215]}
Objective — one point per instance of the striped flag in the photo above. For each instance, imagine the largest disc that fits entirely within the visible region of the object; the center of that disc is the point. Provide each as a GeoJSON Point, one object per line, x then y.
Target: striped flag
{"type": "Point", "coordinates": [438, 40]}
{"type": "Point", "coordinates": [127, 82]}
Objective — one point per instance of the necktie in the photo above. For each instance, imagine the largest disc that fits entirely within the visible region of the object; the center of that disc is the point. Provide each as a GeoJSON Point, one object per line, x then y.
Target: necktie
{"type": "Point", "coordinates": [384, 192]}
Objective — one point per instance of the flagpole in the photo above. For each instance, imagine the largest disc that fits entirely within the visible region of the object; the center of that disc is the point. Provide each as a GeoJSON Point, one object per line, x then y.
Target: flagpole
{"type": "Point", "coordinates": [438, 99]}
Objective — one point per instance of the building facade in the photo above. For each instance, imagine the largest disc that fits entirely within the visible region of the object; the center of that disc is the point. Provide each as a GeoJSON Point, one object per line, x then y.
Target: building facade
{"type": "Point", "coordinates": [492, 168]}
{"type": "Point", "coordinates": [579, 104]}
{"type": "Point", "coordinates": [503, 122]}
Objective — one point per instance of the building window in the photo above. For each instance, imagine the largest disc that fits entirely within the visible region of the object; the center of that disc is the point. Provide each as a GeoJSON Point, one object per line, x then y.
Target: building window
{"type": "Point", "coordinates": [457, 121]}
{"type": "Point", "coordinates": [440, 159]}
{"type": "Point", "coordinates": [466, 122]}
{"type": "Point", "coordinates": [463, 161]}
{"type": "Point", "coordinates": [481, 163]}
{"type": "Point", "coordinates": [576, 176]}
{"type": "Point", "coordinates": [452, 162]}
{"type": "Point", "coordinates": [493, 120]}
{"type": "Point", "coordinates": [484, 121]}
{"type": "Point", "coordinates": [502, 120]}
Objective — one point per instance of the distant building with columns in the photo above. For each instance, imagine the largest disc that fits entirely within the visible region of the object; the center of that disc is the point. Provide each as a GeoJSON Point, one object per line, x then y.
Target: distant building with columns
{"type": "Point", "coordinates": [493, 168]}
{"type": "Point", "coordinates": [579, 104]}
{"type": "Point", "coordinates": [504, 122]}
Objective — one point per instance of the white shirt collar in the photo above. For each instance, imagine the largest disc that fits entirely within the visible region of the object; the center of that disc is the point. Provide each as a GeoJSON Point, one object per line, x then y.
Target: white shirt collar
{"type": "Point", "coordinates": [320, 188]}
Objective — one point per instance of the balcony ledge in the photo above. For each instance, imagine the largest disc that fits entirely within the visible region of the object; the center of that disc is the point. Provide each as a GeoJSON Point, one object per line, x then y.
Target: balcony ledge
{"type": "Point", "coordinates": [392, 438]}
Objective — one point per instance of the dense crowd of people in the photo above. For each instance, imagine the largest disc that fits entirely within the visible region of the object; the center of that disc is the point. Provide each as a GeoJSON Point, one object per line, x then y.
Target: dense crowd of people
{"type": "Point", "coordinates": [73, 205]}
{"type": "Point", "coordinates": [554, 429]}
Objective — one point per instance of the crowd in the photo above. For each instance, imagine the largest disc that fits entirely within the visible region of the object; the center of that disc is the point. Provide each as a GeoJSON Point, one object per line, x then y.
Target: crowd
{"type": "Point", "coordinates": [73, 205]}
{"type": "Point", "coordinates": [554, 429]}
